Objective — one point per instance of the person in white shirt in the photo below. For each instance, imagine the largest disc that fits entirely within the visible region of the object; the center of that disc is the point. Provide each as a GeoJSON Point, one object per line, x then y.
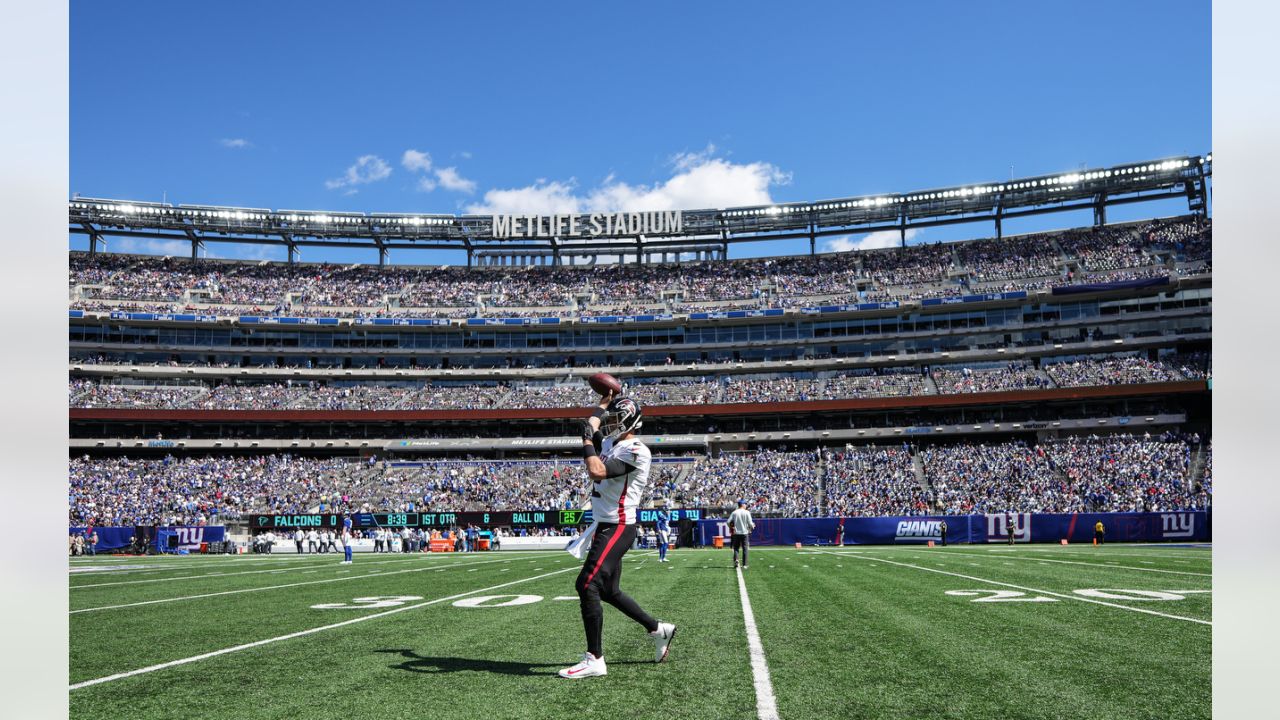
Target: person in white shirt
{"type": "Point", "coordinates": [620, 482]}
{"type": "Point", "coordinates": [313, 541]}
{"type": "Point", "coordinates": [297, 539]}
{"type": "Point", "coordinates": [740, 526]}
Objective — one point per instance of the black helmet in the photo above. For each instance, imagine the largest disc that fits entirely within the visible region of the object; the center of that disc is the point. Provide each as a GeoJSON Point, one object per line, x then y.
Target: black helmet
{"type": "Point", "coordinates": [622, 416]}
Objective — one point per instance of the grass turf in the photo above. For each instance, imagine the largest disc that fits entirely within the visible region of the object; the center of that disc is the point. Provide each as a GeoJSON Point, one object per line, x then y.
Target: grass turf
{"type": "Point", "coordinates": [854, 632]}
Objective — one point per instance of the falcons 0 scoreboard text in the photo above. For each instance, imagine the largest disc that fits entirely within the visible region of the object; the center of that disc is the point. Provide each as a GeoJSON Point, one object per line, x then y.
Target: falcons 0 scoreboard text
{"type": "Point", "coordinates": [528, 518]}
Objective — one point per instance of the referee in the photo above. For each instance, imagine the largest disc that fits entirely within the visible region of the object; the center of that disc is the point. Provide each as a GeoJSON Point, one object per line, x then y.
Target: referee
{"type": "Point", "coordinates": [741, 525]}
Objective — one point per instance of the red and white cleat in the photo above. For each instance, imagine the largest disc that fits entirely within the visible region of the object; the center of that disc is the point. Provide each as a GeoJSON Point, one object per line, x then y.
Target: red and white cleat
{"type": "Point", "coordinates": [662, 640]}
{"type": "Point", "coordinates": [591, 666]}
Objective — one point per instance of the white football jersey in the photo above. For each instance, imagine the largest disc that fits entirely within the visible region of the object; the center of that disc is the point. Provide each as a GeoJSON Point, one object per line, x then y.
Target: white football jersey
{"type": "Point", "coordinates": [615, 499]}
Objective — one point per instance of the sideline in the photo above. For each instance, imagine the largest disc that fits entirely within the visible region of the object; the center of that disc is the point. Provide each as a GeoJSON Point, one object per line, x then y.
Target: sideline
{"type": "Point", "coordinates": [766, 704]}
{"type": "Point", "coordinates": [380, 574]}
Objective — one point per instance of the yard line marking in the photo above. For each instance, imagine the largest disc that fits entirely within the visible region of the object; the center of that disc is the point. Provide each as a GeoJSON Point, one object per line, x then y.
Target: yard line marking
{"type": "Point", "coordinates": [207, 575]}
{"type": "Point", "coordinates": [268, 587]}
{"type": "Point", "coordinates": [195, 564]}
{"type": "Point", "coordinates": [1106, 566]}
{"type": "Point", "coordinates": [302, 633]}
{"type": "Point", "coordinates": [1049, 592]}
{"type": "Point", "coordinates": [766, 705]}
{"type": "Point", "coordinates": [442, 556]}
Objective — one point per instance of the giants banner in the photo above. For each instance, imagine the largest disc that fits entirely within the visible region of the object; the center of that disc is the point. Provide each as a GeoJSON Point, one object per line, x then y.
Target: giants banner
{"type": "Point", "coordinates": [189, 537]}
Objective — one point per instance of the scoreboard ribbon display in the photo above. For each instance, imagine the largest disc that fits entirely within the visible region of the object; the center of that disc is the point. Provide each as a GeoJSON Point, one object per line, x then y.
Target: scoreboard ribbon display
{"type": "Point", "coordinates": [531, 518]}
{"type": "Point", "coordinates": [291, 522]}
{"type": "Point", "coordinates": [528, 518]}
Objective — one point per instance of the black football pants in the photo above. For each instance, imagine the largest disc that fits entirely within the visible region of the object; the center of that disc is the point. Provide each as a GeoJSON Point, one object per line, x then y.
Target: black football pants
{"type": "Point", "coordinates": [599, 579]}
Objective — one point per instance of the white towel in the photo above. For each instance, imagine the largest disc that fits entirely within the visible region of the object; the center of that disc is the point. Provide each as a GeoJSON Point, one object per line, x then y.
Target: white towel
{"type": "Point", "coordinates": [579, 546]}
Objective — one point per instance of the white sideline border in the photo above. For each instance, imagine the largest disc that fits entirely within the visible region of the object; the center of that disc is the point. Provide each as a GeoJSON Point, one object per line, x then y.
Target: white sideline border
{"type": "Point", "coordinates": [411, 558]}
{"type": "Point", "coordinates": [1029, 589]}
{"type": "Point", "coordinates": [766, 703]}
{"type": "Point", "coordinates": [1064, 562]}
{"type": "Point", "coordinates": [433, 567]}
{"type": "Point", "coordinates": [309, 631]}
{"type": "Point", "coordinates": [382, 574]}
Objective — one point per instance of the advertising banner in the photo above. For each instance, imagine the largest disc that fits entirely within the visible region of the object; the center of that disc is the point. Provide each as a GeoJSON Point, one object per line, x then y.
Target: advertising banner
{"type": "Point", "coordinates": [1175, 526]}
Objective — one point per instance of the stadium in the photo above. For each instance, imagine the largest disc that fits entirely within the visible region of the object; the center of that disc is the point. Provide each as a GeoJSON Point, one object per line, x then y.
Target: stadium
{"type": "Point", "coordinates": [1030, 393]}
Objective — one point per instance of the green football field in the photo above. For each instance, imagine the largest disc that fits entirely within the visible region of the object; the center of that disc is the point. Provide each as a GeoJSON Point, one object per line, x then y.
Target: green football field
{"type": "Point", "coordinates": [967, 631]}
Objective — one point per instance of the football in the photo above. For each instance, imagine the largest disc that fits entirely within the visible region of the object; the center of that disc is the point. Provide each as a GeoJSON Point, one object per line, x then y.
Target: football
{"type": "Point", "coordinates": [604, 383]}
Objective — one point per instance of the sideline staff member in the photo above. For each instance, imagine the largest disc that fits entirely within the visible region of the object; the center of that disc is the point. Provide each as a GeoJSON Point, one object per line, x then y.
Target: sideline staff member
{"type": "Point", "coordinates": [741, 525]}
{"type": "Point", "coordinates": [1099, 532]}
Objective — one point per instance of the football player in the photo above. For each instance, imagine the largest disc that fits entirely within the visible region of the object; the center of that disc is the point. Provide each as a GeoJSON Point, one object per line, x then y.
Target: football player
{"type": "Point", "coordinates": [620, 481]}
{"type": "Point", "coordinates": [663, 526]}
{"type": "Point", "coordinates": [346, 541]}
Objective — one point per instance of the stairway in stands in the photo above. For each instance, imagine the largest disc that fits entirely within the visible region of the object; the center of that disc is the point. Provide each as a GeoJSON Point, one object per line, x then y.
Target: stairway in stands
{"type": "Point", "coordinates": [1195, 469]}
{"type": "Point", "coordinates": [917, 464]}
{"type": "Point", "coordinates": [820, 472]}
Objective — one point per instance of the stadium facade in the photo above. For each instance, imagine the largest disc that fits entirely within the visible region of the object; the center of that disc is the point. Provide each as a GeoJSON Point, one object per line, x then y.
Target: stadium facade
{"type": "Point", "coordinates": [1026, 341]}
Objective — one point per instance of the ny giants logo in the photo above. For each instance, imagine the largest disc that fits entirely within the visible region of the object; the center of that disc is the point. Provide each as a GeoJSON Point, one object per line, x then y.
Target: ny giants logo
{"type": "Point", "coordinates": [189, 537]}
{"type": "Point", "coordinates": [1178, 525]}
{"type": "Point", "coordinates": [998, 529]}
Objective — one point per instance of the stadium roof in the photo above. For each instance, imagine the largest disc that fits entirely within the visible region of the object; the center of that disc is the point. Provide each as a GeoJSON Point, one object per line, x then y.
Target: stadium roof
{"type": "Point", "coordinates": [1145, 181]}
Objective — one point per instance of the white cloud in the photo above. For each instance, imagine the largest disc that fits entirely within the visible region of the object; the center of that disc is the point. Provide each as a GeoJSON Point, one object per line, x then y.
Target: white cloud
{"type": "Point", "coordinates": [464, 155]}
{"type": "Point", "coordinates": [700, 181]}
{"type": "Point", "coordinates": [449, 179]}
{"type": "Point", "coordinates": [545, 197]}
{"type": "Point", "coordinates": [368, 168]}
{"type": "Point", "coordinates": [235, 143]}
{"type": "Point", "coordinates": [870, 241]}
{"type": "Point", "coordinates": [415, 161]}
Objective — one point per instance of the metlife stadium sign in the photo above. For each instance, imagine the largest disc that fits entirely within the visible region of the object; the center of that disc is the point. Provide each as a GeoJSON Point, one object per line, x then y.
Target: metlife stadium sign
{"type": "Point", "coordinates": [587, 226]}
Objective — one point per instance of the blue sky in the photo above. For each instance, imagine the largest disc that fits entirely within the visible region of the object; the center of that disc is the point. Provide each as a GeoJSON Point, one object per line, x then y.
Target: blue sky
{"type": "Point", "coordinates": [456, 107]}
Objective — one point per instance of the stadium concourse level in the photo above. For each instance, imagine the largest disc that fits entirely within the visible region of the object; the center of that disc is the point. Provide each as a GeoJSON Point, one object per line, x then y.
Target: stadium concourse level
{"type": "Point", "coordinates": [407, 395]}
{"type": "Point", "coordinates": [105, 282]}
{"type": "Point", "coordinates": [1077, 473]}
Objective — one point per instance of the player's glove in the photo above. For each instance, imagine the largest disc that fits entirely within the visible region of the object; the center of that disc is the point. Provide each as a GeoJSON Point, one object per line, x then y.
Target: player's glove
{"type": "Point", "coordinates": [586, 430]}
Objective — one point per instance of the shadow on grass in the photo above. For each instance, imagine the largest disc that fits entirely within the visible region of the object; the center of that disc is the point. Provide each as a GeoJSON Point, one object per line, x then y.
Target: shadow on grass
{"type": "Point", "coordinates": [421, 664]}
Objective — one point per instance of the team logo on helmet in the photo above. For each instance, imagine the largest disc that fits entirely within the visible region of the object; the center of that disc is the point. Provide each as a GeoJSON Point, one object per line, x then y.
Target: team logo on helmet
{"type": "Point", "coordinates": [623, 416]}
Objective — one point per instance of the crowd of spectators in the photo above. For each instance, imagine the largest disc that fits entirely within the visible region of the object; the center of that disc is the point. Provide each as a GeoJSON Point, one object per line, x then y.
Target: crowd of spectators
{"type": "Point", "coordinates": [471, 395]}
{"type": "Point", "coordinates": [1076, 474]}
{"type": "Point", "coordinates": [121, 491]}
{"type": "Point", "coordinates": [954, 380]}
{"type": "Point", "coordinates": [873, 481]}
{"type": "Point", "coordinates": [1117, 473]}
{"type": "Point", "coordinates": [994, 478]}
{"type": "Point", "coordinates": [770, 481]}
{"type": "Point", "coordinates": [1111, 371]}
{"type": "Point", "coordinates": [1129, 474]}
{"type": "Point", "coordinates": [1027, 256]}
{"type": "Point", "coordinates": [150, 284]}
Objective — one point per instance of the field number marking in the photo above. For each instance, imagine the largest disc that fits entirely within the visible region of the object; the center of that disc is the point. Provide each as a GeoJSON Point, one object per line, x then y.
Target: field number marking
{"type": "Point", "coordinates": [365, 603]}
{"type": "Point", "coordinates": [487, 601]}
{"type": "Point", "coordinates": [1000, 596]}
{"type": "Point", "coordinates": [1104, 594]}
